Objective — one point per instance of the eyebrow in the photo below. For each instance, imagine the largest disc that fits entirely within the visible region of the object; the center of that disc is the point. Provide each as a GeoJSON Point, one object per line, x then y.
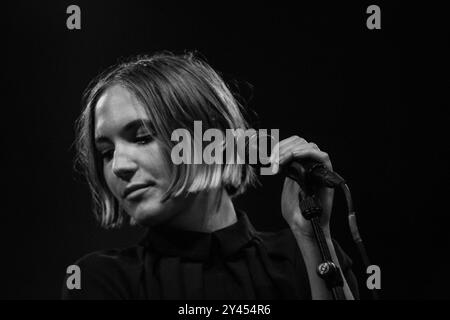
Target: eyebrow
{"type": "Point", "coordinates": [134, 124]}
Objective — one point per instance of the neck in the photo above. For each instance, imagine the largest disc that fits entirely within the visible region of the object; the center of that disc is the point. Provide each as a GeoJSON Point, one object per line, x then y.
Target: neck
{"type": "Point", "coordinates": [207, 212]}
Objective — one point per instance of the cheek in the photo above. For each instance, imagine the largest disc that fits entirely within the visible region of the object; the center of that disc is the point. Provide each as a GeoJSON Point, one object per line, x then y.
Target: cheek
{"type": "Point", "coordinates": [166, 170]}
{"type": "Point", "coordinates": [110, 180]}
{"type": "Point", "coordinates": [156, 163]}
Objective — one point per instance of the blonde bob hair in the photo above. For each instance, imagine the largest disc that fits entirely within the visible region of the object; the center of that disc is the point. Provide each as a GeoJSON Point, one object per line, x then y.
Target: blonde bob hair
{"type": "Point", "coordinates": [175, 90]}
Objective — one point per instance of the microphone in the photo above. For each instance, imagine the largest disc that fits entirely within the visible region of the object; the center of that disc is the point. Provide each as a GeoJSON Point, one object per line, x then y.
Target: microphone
{"type": "Point", "coordinates": [312, 173]}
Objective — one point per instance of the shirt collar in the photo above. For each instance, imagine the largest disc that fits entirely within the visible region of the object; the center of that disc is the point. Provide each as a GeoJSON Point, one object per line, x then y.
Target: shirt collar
{"type": "Point", "coordinates": [195, 245]}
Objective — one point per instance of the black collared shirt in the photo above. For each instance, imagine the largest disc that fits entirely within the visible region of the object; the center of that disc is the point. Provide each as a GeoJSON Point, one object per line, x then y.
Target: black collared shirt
{"type": "Point", "coordinates": [236, 262]}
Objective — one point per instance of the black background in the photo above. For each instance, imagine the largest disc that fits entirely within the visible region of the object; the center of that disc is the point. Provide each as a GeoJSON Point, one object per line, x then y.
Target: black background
{"type": "Point", "coordinates": [375, 100]}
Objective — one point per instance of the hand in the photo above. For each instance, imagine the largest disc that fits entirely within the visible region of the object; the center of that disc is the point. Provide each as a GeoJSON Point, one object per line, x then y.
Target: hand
{"type": "Point", "coordinates": [298, 148]}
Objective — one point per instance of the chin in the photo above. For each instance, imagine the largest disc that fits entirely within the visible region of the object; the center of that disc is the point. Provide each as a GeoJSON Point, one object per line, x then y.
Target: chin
{"type": "Point", "coordinates": [151, 212]}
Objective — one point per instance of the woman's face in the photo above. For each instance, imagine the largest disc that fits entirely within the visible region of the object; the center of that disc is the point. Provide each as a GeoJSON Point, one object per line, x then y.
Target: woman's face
{"type": "Point", "coordinates": [134, 168]}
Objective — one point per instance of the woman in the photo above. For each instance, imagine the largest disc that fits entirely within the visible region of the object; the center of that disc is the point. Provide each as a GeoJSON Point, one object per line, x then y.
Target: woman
{"type": "Point", "coordinates": [198, 246]}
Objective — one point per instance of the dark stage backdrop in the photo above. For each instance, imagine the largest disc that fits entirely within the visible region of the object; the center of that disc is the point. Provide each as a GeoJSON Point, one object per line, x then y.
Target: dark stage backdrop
{"type": "Point", "coordinates": [373, 99]}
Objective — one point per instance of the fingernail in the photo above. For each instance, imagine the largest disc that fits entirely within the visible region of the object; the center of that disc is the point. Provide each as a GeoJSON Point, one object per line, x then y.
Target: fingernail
{"type": "Point", "coordinates": [275, 168]}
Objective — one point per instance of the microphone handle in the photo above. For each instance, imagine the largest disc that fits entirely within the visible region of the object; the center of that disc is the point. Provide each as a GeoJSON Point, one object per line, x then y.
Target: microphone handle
{"type": "Point", "coordinates": [310, 173]}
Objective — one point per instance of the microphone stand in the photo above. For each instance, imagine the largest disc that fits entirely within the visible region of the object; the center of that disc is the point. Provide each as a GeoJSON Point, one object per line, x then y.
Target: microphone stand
{"type": "Point", "coordinates": [327, 270]}
{"type": "Point", "coordinates": [315, 175]}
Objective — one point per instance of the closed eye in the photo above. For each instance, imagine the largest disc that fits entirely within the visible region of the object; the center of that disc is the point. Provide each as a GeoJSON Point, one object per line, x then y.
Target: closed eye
{"type": "Point", "coordinates": [141, 140]}
{"type": "Point", "coordinates": [144, 139]}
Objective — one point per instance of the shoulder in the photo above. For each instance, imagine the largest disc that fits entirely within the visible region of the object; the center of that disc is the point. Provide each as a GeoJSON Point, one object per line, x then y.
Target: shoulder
{"type": "Point", "coordinates": [106, 274]}
{"type": "Point", "coordinates": [114, 258]}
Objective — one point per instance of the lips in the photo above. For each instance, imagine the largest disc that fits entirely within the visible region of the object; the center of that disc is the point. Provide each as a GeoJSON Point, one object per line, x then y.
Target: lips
{"type": "Point", "coordinates": [135, 189]}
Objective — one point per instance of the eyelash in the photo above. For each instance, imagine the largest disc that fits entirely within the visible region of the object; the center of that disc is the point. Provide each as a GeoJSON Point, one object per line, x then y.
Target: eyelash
{"type": "Point", "coordinates": [142, 140]}
{"type": "Point", "coordinates": [107, 155]}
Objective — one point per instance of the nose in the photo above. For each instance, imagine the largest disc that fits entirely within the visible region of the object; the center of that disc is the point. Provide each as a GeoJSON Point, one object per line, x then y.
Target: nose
{"type": "Point", "coordinates": [123, 166]}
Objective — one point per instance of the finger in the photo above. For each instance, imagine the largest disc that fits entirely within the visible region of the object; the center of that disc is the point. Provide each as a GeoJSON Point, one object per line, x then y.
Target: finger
{"type": "Point", "coordinates": [307, 153]}
{"type": "Point", "coordinates": [281, 144]}
{"type": "Point", "coordinates": [315, 146]}
{"type": "Point", "coordinates": [286, 152]}
{"type": "Point", "coordinates": [274, 152]}
{"type": "Point", "coordinates": [281, 148]}
{"type": "Point", "coordinates": [292, 142]}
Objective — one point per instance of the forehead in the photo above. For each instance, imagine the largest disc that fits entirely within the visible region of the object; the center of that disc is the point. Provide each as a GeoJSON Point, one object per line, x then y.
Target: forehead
{"type": "Point", "coordinates": [115, 108]}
